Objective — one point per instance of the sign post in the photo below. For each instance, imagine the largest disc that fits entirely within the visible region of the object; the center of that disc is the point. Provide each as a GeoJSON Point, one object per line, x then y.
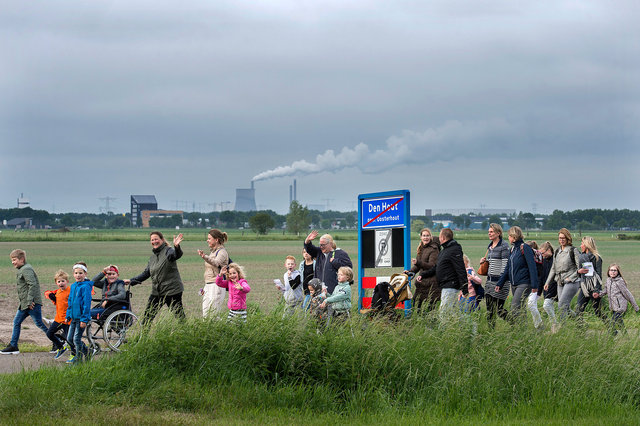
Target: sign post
{"type": "Point", "coordinates": [384, 238]}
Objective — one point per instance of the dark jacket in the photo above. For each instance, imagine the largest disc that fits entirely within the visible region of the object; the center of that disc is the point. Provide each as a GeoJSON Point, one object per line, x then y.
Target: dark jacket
{"type": "Point", "coordinates": [552, 293]}
{"type": "Point", "coordinates": [115, 292]}
{"type": "Point", "coordinates": [449, 269]}
{"type": "Point", "coordinates": [520, 269]}
{"type": "Point", "coordinates": [327, 266]}
{"type": "Point", "coordinates": [163, 270]}
{"type": "Point", "coordinates": [426, 260]}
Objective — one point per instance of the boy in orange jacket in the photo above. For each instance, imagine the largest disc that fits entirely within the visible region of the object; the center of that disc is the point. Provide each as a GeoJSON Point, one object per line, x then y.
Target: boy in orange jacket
{"type": "Point", "coordinates": [60, 298]}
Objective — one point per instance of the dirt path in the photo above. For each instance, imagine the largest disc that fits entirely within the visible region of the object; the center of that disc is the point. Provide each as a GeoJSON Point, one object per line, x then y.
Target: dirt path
{"type": "Point", "coordinates": [28, 361]}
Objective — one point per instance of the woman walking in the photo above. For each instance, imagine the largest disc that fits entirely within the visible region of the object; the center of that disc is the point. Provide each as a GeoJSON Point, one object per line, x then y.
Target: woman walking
{"type": "Point", "coordinates": [166, 284]}
{"type": "Point", "coordinates": [565, 271]}
{"type": "Point", "coordinates": [522, 272]}
{"type": "Point", "coordinates": [213, 295]}
{"type": "Point", "coordinates": [590, 274]}
{"type": "Point", "coordinates": [497, 256]}
{"type": "Point", "coordinates": [427, 255]}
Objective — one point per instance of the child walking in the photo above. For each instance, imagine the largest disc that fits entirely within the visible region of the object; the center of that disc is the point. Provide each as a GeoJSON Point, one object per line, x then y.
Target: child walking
{"type": "Point", "coordinates": [619, 295]}
{"type": "Point", "coordinates": [338, 303]}
{"type": "Point", "coordinates": [60, 298]}
{"type": "Point", "coordinates": [30, 301]}
{"type": "Point", "coordinates": [238, 289]}
{"type": "Point", "coordinates": [79, 311]}
{"type": "Point", "coordinates": [292, 287]}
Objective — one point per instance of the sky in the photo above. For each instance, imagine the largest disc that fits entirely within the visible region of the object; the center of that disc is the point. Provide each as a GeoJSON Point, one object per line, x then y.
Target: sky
{"type": "Point", "coordinates": [532, 106]}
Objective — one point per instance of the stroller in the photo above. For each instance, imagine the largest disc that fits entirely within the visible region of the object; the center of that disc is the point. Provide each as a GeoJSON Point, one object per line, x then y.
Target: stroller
{"type": "Point", "coordinates": [387, 295]}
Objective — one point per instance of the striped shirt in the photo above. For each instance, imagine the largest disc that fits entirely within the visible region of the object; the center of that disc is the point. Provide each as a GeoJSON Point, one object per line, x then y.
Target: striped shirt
{"type": "Point", "coordinates": [498, 257]}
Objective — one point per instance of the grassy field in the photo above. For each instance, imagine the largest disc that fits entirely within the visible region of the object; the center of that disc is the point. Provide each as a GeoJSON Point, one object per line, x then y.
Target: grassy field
{"type": "Point", "coordinates": [282, 371]}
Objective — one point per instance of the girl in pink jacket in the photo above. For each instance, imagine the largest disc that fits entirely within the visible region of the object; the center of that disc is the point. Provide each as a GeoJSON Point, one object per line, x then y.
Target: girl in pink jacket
{"type": "Point", "coordinates": [238, 289]}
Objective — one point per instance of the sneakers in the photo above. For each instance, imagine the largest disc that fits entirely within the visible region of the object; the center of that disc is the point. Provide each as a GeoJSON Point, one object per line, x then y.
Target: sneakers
{"type": "Point", "coordinates": [10, 350]}
{"type": "Point", "coordinates": [72, 359]}
{"type": "Point", "coordinates": [60, 351]}
{"type": "Point", "coordinates": [53, 349]}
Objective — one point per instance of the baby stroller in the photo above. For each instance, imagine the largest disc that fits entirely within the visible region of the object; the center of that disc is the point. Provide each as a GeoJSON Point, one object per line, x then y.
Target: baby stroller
{"type": "Point", "coordinates": [388, 295]}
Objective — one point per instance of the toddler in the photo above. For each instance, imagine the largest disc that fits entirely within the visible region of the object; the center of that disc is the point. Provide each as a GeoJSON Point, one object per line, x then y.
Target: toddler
{"type": "Point", "coordinates": [292, 288]}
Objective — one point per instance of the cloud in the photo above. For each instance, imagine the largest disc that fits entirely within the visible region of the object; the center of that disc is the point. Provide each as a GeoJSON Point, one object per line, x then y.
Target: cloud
{"type": "Point", "coordinates": [453, 139]}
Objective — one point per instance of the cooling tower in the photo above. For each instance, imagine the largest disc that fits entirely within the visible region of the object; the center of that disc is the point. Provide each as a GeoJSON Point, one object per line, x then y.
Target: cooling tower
{"type": "Point", "coordinates": [245, 199]}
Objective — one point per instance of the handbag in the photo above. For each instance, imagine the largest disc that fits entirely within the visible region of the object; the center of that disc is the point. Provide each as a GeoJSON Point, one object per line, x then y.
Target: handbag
{"type": "Point", "coordinates": [484, 267]}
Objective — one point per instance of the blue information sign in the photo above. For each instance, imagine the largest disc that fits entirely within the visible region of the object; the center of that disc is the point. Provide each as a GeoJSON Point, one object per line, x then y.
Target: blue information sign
{"type": "Point", "coordinates": [387, 212]}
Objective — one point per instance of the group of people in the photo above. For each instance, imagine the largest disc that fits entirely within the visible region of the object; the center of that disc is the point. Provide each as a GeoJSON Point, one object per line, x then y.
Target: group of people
{"type": "Point", "coordinates": [321, 284]}
{"type": "Point", "coordinates": [446, 276]}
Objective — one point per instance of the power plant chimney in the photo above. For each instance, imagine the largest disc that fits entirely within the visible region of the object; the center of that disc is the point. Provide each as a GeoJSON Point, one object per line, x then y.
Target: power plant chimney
{"type": "Point", "coordinates": [295, 191]}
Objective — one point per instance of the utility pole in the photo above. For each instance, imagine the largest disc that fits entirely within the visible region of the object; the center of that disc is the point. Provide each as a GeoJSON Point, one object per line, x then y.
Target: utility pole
{"type": "Point", "coordinates": [106, 200]}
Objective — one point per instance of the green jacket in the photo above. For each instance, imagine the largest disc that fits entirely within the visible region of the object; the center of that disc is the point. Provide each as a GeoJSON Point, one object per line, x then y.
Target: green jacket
{"type": "Point", "coordinates": [340, 299]}
{"type": "Point", "coordinates": [163, 270]}
{"type": "Point", "coordinates": [28, 287]}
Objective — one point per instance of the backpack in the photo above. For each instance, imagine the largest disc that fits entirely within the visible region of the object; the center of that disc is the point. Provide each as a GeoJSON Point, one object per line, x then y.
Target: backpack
{"type": "Point", "coordinates": [380, 296]}
{"type": "Point", "coordinates": [537, 256]}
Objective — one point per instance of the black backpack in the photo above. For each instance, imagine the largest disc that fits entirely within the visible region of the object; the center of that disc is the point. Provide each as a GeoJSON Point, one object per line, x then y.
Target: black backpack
{"type": "Point", "coordinates": [380, 296]}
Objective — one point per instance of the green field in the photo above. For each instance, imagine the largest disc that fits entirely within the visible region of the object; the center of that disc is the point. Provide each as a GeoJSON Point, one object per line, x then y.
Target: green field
{"type": "Point", "coordinates": [275, 370]}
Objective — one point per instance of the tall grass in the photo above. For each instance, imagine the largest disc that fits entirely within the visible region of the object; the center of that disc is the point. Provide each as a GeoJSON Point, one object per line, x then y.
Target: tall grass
{"type": "Point", "coordinates": [354, 370]}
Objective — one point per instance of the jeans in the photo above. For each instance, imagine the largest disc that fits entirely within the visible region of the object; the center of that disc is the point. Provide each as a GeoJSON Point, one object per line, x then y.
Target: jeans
{"type": "Point", "coordinates": [448, 301]}
{"type": "Point", "coordinates": [74, 337]}
{"type": "Point", "coordinates": [53, 329]}
{"type": "Point", "coordinates": [520, 292]}
{"type": "Point", "coordinates": [305, 302]}
{"type": "Point", "coordinates": [35, 313]}
{"type": "Point", "coordinates": [566, 294]}
{"type": "Point", "coordinates": [616, 322]}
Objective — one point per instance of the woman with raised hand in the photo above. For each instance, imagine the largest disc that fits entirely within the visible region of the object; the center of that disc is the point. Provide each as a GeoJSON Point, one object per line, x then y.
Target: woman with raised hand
{"type": "Point", "coordinates": [213, 295]}
{"type": "Point", "coordinates": [497, 256]}
{"type": "Point", "coordinates": [166, 284]}
{"type": "Point", "coordinates": [564, 271]}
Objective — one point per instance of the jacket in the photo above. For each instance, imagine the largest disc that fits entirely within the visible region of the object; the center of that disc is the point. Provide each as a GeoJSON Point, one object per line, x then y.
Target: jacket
{"type": "Point", "coordinates": [28, 287]}
{"type": "Point", "coordinates": [327, 265]}
{"type": "Point", "coordinates": [237, 298]}
{"type": "Point", "coordinates": [565, 266]}
{"type": "Point", "coordinates": [60, 298]}
{"type": "Point", "coordinates": [115, 292]}
{"type": "Point", "coordinates": [293, 287]}
{"type": "Point", "coordinates": [426, 260]}
{"type": "Point", "coordinates": [521, 269]}
{"type": "Point", "coordinates": [449, 269]}
{"type": "Point", "coordinates": [618, 294]}
{"type": "Point", "coordinates": [163, 270]}
{"type": "Point", "coordinates": [80, 301]}
{"type": "Point", "coordinates": [340, 298]}
{"type": "Point", "coordinates": [596, 262]}
{"type": "Point", "coordinates": [213, 263]}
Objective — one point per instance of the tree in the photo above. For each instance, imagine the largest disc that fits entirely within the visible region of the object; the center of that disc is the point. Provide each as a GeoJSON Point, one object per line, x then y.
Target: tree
{"type": "Point", "coordinates": [298, 219]}
{"type": "Point", "coordinates": [494, 218]}
{"type": "Point", "coordinates": [261, 222]}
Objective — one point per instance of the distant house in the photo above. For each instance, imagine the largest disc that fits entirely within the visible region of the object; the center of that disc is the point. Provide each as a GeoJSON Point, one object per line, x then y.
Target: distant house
{"type": "Point", "coordinates": [147, 215]}
{"type": "Point", "coordinates": [19, 223]}
{"type": "Point", "coordinates": [139, 203]}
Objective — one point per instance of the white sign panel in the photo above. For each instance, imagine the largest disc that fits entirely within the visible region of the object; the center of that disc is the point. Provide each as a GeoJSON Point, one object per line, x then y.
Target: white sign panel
{"type": "Point", "coordinates": [383, 248]}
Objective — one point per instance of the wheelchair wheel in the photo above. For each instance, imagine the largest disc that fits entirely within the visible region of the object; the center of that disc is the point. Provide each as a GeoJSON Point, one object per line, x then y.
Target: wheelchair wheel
{"type": "Point", "coordinates": [120, 328]}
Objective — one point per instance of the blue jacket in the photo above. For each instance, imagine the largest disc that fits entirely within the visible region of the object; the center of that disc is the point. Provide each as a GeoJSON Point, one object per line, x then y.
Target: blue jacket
{"type": "Point", "coordinates": [80, 301]}
{"type": "Point", "coordinates": [520, 269]}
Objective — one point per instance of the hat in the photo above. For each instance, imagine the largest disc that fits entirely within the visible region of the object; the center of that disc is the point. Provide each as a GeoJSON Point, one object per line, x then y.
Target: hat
{"type": "Point", "coordinates": [315, 284]}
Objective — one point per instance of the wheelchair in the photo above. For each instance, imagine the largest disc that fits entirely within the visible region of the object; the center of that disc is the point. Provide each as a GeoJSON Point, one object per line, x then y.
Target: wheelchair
{"type": "Point", "coordinates": [116, 326]}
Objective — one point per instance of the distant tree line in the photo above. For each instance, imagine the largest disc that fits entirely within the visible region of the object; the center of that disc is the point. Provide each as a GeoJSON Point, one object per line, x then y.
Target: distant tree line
{"type": "Point", "coordinates": [300, 218]}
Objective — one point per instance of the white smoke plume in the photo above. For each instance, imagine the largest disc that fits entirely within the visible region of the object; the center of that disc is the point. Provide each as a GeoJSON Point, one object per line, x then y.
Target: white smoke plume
{"type": "Point", "coordinates": [453, 138]}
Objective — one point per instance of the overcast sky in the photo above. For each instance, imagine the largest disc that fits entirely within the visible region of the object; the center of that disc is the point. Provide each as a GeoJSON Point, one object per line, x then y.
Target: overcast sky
{"type": "Point", "coordinates": [505, 104]}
